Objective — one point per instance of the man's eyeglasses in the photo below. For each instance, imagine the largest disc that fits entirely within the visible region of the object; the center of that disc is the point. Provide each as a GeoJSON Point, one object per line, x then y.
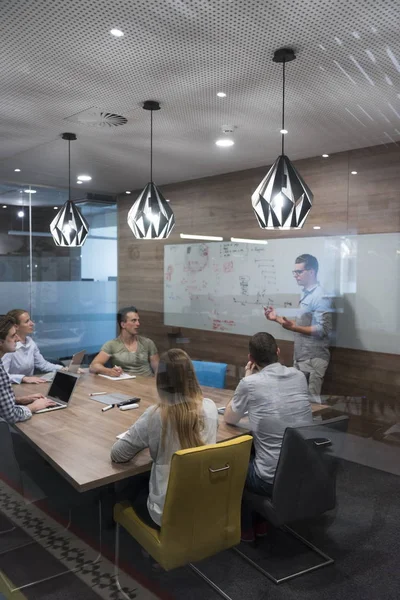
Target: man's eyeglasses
{"type": "Point", "coordinates": [299, 271]}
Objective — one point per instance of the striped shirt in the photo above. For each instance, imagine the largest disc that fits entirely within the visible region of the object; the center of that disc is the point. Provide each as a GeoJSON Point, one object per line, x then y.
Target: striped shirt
{"type": "Point", "coordinates": [9, 410]}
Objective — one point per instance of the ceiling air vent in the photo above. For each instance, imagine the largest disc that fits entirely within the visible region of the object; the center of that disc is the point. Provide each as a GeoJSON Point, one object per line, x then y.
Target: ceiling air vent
{"type": "Point", "coordinates": [96, 117]}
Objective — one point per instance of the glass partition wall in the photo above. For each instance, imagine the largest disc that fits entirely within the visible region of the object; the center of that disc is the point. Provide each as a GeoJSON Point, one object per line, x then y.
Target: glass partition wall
{"type": "Point", "coordinates": [70, 293]}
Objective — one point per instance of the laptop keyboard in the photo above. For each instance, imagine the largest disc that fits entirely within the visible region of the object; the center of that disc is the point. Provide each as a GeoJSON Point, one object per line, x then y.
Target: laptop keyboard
{"type": "Point", "coordinates": [57, 407]}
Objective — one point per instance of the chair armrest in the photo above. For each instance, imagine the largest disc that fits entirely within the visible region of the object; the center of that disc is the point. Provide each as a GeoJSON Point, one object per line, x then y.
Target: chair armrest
{"type": "Point", "coordinates": [321, 442]}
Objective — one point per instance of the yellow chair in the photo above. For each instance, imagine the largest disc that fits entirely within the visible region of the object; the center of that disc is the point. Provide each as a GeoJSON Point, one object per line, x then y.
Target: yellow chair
{"type": "Point", "coordinates": [202, 508]}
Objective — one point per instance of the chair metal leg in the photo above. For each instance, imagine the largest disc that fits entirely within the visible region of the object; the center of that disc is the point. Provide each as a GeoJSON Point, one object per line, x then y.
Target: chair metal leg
{"type": "Point", "coordinates": [18, 547]}
{"type": "Point", "coordinates": [328, 560]}
{"type": "Point", "coordinates": [7, 530]}
{"type": "Point", "coordinates": [25, 544]}
{"type": "Point", "coordinates": [67, 571]}
{"type": "Point", "coordinates": [208, 581]}
{"type": "Point", "coordinates": [190, 565]}
{"type": "Point", "coordinates": [116, 563]}
{"type": "Point", "coordinates": [4, 531]}
{"type": "Point", "coordinates": [99, 556]}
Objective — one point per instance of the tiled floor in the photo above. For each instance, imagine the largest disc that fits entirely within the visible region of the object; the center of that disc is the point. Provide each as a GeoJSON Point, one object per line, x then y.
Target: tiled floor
{"type": "Point", "coordinates": [54, 550]}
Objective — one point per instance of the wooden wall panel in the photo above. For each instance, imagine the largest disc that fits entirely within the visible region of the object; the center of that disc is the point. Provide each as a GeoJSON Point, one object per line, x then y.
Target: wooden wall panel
{"type": "Point", "coordinates": [374, 193]}
{"type": "Point", "coordinates": [366, 203]}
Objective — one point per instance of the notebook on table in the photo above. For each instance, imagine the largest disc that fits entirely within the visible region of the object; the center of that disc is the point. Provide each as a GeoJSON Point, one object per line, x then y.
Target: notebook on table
{"type": "Point", "coordinates": [61, 390]}
{"type": "Point", "coordinates": [119, 378]}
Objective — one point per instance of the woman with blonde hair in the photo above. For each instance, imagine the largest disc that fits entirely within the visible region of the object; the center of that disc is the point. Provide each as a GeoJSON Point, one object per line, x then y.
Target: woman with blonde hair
{"type": "Point", "coordinates": [22, 364]}
{"type": "Point", "coordinates": [181, 419]}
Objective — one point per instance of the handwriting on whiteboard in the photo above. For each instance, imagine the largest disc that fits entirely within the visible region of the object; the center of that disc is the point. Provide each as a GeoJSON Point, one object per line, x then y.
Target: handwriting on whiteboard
{"type": "Point", "coordinates": [223, 325]}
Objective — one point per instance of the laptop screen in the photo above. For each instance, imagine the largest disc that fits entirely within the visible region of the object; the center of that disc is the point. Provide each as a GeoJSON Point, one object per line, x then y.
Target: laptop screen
{"type": "Point", "coordinates": [62, 386]}
{"type": "Point", "coordinates": [76, 361]}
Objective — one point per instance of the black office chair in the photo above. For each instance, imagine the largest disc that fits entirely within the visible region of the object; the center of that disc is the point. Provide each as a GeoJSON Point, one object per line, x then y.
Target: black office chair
{"type": "Point", "coordinates": [305, 483]}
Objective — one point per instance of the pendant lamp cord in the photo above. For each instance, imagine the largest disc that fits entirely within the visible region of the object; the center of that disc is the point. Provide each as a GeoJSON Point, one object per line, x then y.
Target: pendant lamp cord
{"type": "Point", "coordinates": [283, 107]}
{"type": "Point", "coordinates": [151, 146]}
{"type": "Point", "coordinates": [69, 170]}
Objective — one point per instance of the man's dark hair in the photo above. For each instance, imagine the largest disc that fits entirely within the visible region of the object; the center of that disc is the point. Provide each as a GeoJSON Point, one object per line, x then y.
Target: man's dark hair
{"type": "Point", "coordinates": [263, 348]}
{"type": "Point", "coordinates": [121, 314]}
{"type": "Point", "coordinates": [310, 262]}
{"type": "Point", "coordinates": [6, 323]}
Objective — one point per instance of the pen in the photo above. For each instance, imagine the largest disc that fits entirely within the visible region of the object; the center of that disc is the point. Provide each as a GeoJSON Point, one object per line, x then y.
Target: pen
{"type": "Point", "coordinates": [98, 394]}
{"type": "Point", "coordinates": [107, 407]}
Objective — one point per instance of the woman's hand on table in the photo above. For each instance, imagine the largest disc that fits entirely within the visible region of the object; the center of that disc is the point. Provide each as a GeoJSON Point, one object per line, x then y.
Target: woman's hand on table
{"type": "Point", "coordinates": [33, 379]}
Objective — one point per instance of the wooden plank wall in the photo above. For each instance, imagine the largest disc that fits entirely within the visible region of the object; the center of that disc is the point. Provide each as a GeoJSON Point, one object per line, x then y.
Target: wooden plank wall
{"type": "Point", "coordinates": [368, 202]}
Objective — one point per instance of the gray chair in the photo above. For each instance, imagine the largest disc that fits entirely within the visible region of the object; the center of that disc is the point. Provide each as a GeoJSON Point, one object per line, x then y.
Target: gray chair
{"type": "Point", "coordinates": [304, 485]}
{"type": "Point", "coordinates": [51, 485]}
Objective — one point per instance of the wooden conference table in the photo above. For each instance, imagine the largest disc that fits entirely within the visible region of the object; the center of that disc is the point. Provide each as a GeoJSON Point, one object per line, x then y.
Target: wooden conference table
{"type": "Point", "coordinates": [77, 440]}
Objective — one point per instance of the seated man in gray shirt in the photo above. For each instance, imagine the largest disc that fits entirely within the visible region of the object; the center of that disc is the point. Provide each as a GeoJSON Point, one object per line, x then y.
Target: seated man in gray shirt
{"type": "Point", "coordinates": [275, 397]}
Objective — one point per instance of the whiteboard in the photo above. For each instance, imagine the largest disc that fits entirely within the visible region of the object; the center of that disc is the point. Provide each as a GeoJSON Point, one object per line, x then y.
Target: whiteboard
{"type": "Point", "coordinates": [223, 286]}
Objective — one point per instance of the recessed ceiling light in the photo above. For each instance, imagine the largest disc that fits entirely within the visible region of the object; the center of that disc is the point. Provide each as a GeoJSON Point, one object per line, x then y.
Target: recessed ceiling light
{"type": "Point", "coordinates": [17, 170]}
{"type": "Point", "coordinates": [247, 241]}
{"type": "Point", "coordinates": [325, 156]}
{"type": "Point", "coordinates": [354, 172]}
{"type": "Point", "coordinates": [55, 207]}
{"type": "Point", "coordinates": [117, 32]}
{"type": "Point", "coordinates": [30, 191]}
{"type": "Point", "coordinates": [128, 192]}
{"type": "Point", "coordinates": [84, 178]}
{"type": "Point", "coordinates": [283, 131]}
{"type": "Point", "coordinates": [224, 143]}
{"type": "Point", "coordinates": [4, 205]}
{"type": "Point", "coordinates": [212, 238]}
{"type": "Point", "coordinates": [20, 213]}
{"type": "Point", "coordinates": [221, 94]}
{"type": "Point", "coordinates": [79, 182]}
{"type": "Point", "coordinates": [316, 227]}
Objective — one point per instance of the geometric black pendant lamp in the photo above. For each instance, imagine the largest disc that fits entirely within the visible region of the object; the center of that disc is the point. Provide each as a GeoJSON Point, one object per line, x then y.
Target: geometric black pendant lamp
{"type": "Point", "coordinates": [69, 227]}
{"type": "Point", "coordinates": [151, 217]}
{"type": "Point", "coordinates": [282, 200]}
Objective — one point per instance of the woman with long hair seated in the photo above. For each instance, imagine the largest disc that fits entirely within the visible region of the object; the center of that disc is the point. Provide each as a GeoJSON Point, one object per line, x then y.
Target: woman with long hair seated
{"type": "Point", "coordinates": [22, 364]}
{"type": "Point", "coordinates": [181, 419]}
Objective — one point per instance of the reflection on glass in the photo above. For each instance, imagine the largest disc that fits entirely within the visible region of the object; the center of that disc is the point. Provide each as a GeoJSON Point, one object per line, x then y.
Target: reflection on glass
{"type": "Point", "coordinates": [69, 292]}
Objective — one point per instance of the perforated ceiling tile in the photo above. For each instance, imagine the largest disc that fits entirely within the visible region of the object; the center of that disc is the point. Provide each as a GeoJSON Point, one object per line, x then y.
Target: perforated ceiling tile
{"type": "Point", "coordinates": [58, 59]}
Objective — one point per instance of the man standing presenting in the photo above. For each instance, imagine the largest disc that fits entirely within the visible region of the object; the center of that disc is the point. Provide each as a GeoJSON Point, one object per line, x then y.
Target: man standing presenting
{"type": "Point", "coordinates": [313, 326]}
{"type": "Point", "coordinates": [9, 410]}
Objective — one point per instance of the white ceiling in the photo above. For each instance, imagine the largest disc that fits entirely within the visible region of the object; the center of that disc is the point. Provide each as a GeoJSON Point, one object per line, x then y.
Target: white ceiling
{"type": "Point", "coordinates": [58, 59]}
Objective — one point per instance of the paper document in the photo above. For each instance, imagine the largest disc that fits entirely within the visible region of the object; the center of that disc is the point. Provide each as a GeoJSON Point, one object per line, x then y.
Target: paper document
{"type": "Point", "coordinates": [120, 378]}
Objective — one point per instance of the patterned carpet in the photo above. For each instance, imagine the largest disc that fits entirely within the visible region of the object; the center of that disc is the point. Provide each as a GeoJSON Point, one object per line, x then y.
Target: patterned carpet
{"type": "Point", "coordinates": [66, 550]}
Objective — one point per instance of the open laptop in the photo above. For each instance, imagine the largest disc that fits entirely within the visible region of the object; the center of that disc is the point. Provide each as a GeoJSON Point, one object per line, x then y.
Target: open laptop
{"type": "Point", "coordinates": [72, 366]}
{"type": "Point", "coordinates": [76, 361]}
{"type": "Point", "coordinates": [60, 390]}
